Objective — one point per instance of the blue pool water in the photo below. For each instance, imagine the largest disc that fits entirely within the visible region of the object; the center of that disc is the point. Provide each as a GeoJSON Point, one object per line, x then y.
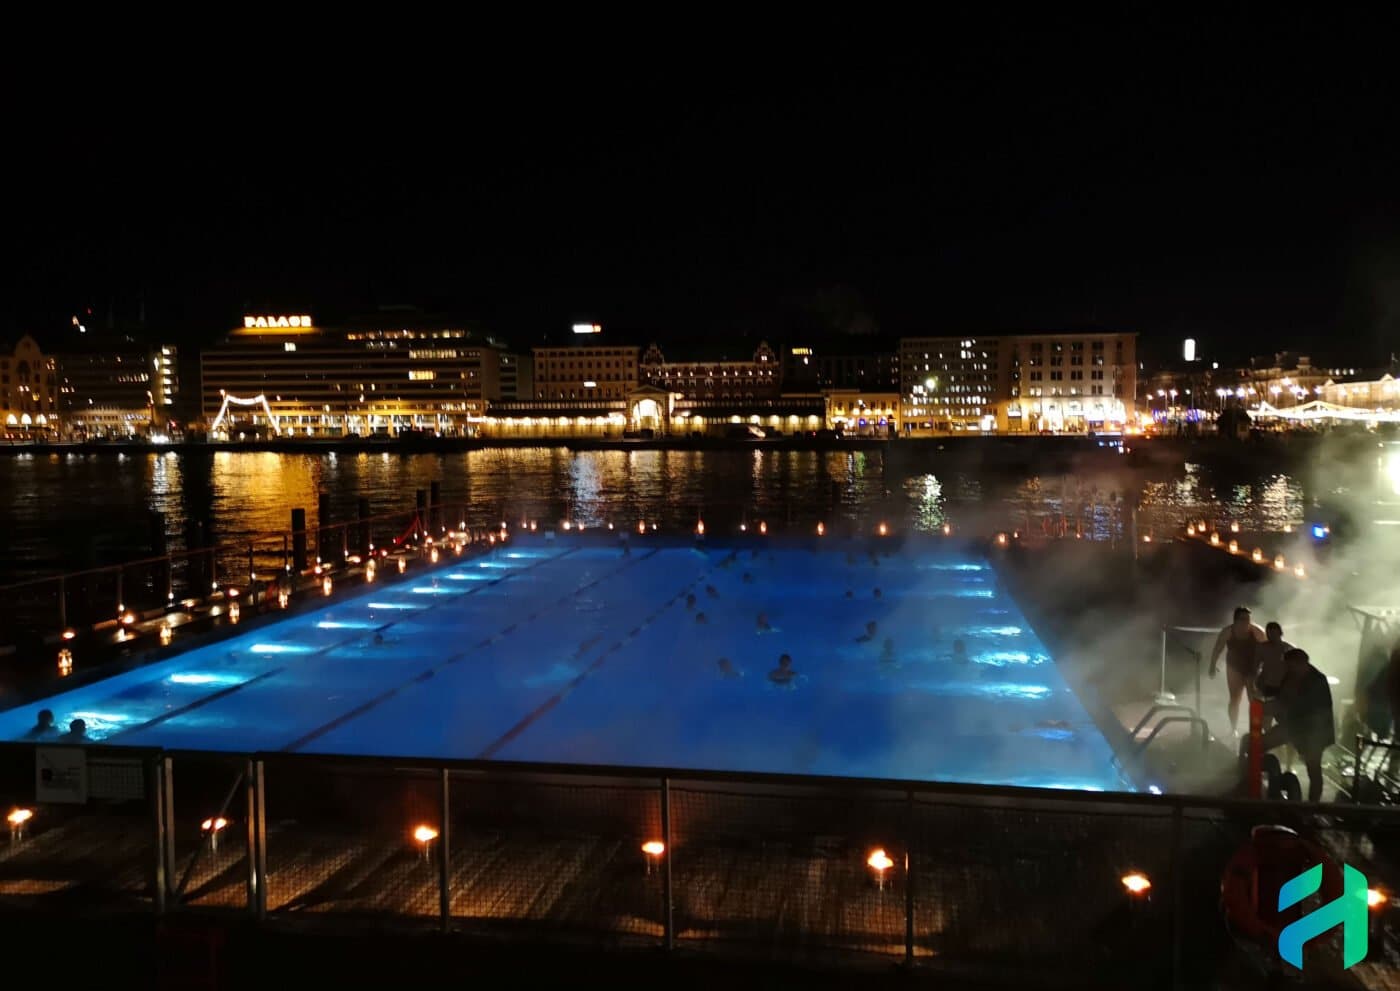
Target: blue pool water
{"type": "Point", "coordinates": [578, 654]}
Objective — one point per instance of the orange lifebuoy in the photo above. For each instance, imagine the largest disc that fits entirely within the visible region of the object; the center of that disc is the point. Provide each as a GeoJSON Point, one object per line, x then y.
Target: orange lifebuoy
{"type": "Point", "coordinates": [1251, 881]}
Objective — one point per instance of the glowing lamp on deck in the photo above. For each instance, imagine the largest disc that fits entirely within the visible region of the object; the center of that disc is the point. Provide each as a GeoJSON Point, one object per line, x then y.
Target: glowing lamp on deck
{"type": "Point", "coordinates": [653, 849]}
{"type": "Point", "coordinates": [326, 585]}
{"type": "Point", "coordinates": [879, 863]}
{"type": "Point", "coordinates": [166, 633]}
{"type": "Point", "coordinates": [1376, 898]}
{"type": "Point", "coordinates": [65, 662]}
{"type": "Point", "coordinates": [1234, 547]}
{"type": "Point", "coordinates": [1234, 528]}
{"type": "Point", "coordinates": [1258, 556]}
{"type": "Point", "coordinates": [534, 526]}
{"type": "Point", "coordinates": [567, 526]}
{"type": "Point", "coordinates": [1215, 540]}
{"type": "Point", "coordinates": [433, 555]}
{"type": "Point", "coordinates": [883, 529]}
{"type": "Point", "coordinates": [700, 528]}
{"type": "Point", "coordinates": [821, 529]}
{"type": "Point", "coordinates": [233, 612]}
{"type": "Point", "coordinates": [1147, 538]}
{"type": "Point", "coordinates": [128, 618]}
{"type": "Point", "coordinates": [69, 633]}
{"type": "Point", "coordinates": [641, 526]}
{"type": "Point", "coordinates": [1300, 571]}
{"type": "Point", "coordinates": [17, 819]}
{"type": "Point", "coordinates": [284, 598]}
{"type": "Point", "coordinates": [947, 529]}
{"type": "Point", "coordinates": [763, 528]}
{"type": "Point", "coordinates": [1279, 563]}
{"type": "Point", "coordinates": [403, 565]}
{"type": "Point", "coordinates": [1001, 540]}
{"type": "Point", "coordinates": [1136, 884]}
{"type": "Point", "coordinates": [211, 828]}
{"type": "Point", "coordinates": [424, 835]}
{"type": "Point", "coordinates": [1200, 526]}
{"type": "Point", "coordinates": [369, 572]}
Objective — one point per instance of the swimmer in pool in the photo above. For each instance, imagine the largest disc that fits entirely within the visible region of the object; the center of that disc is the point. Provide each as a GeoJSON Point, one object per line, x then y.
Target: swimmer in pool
{"type": "Point", "coordinates": [783, 674]}
{"type": "Point", "coordinates": [728, 670]}
{"type": "Point", "coordinates": [77, 730]}
{"type": "Point", "coordinates": [701, 618]}
{"type": "Point", "coordinates": [43, 726]}
{"type": "Point", "coordinates": [869, 633]}
{"type": "Point", "coordinates": [711, 591]}
{"type": "Point", "coordinates": [762, 624]}
{"type": "Point", "coordinates": [959, 652]}
{"type": "Point", "coordinates": [690, 601]}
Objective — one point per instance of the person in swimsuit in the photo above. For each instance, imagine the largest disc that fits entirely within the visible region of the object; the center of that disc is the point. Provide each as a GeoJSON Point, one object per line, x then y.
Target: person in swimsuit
{"type": "Point", "coordinates": [783, 674]}
{"type": "Point", "coordinates": [1240, 643]}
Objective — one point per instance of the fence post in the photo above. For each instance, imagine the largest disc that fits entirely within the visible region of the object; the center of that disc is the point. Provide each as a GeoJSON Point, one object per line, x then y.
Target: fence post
{"type": "Point", "coordinates": [155, 785]}
{"type": "Point", "coordinates": [667, 916]}
{"type": "Point", "coordinates": [1176, 897]}
{"type": "Point", "coordinates": [445, 853]}
{"type": "Point", "coordinates": [909, 879]}
{"type": "Point", "coordinates": [250, 806]}
{"type": "Point", "coordinates": [261, 797]}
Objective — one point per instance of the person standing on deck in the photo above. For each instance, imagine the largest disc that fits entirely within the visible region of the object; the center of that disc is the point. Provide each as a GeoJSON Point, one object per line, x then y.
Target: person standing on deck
{"type": "Point", "coordinates": [1271, 664]}
{"type": "Point", "coordinates": [1240, 641]}
{"type": "Point", "coordinates": [1305, 719]}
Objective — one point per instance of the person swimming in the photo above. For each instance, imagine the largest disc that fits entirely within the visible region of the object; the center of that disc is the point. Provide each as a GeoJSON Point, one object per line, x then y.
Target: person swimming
{"type": "Point", "coordinates": [727, 669]}
{"type": "Point", "coordinates": [959, 652]}
{"type": "Point", "coordinates": [77, 730]}
{"type": "Point", "coordinates": [762, 624]}
{"type": "Point", "coordinates": [43, 726]}
{"type": "Point", "coordinates": [869, 633]}
{"type": "Point", "coordinates": [690, 601]}
{"type": "Point", "coordinates": [711, 591]}
{"type": "Point", "coordinates": [783, 674]}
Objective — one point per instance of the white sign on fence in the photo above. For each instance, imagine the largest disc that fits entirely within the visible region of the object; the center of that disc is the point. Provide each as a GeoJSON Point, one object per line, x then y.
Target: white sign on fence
{"type": "Point", "coordinates": [60, 775]}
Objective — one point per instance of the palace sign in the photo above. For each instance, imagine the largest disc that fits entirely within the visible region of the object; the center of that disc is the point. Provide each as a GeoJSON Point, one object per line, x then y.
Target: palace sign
{"type": "Point", "coordinates": [249, 323]}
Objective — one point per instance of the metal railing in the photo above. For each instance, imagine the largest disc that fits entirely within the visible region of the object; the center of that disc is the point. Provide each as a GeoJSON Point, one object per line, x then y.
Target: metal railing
{"type": "Point", "coordinates": [1004, 883]}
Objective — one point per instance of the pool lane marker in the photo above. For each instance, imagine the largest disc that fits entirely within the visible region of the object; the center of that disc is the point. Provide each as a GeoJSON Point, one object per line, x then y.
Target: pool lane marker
{"type": "Point", "coordinates": [548, 704]}
{"type": "Point", "coordinates": [204, 700]}
{"type": "Point", "coordinates": [364, 707]}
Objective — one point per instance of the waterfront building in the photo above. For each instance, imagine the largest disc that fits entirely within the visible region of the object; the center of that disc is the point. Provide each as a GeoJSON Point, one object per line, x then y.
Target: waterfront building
{"type": "Point", "coordinates": [118, 388]}
{"type": "Point", "coordinates": [861, 413]}
{"type": "Point", "coordinates": [1379, 394]}
{"type": "Point", "coordinates": [29, 406]}
{"type": "Point", "coordinates": [951, 384]}
{"type": "Point", "coordinates": [1286, 379]}
{"type": "Point", "coordinates": [1073, 382]}
{"type": "Point", "coordinates": [517, 377]}
{"type": "Point", "coordinates": [715, 376]}
{"type": "Point", "coordinates": [649, 412]}
{"type": "Point", "coordinates": [588, 370]}
{"type": "Point", "coordinates": [837, 363]}
{"type": "Point", "coordinates": [395, 371]}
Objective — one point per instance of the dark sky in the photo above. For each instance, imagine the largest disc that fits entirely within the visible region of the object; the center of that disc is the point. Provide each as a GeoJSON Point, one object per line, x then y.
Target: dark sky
{"type": "Point", "coordinates": [1228, 179]}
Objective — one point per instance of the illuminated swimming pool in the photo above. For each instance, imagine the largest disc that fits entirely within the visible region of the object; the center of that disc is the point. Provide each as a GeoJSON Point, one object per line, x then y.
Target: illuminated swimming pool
{"type": "Point", "coordinates": [580, 654]}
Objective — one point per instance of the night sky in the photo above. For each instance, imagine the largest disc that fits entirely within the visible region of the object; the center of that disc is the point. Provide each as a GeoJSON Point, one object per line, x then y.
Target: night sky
{"type": "Point", "coordinates": [1230, 180]}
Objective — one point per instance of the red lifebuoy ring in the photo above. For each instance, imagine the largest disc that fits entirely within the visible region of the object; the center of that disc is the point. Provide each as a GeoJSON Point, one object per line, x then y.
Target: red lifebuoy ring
{"type": "Point", "coordinates": [1249, 887]}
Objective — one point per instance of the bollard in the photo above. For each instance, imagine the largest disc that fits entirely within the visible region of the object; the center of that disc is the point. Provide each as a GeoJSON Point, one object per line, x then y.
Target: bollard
{"type": "Point", "coordinates": [298, 541]}
{"type": "Point", "coordinates": [324, 550]}
{"type": "Point", "coordinates": [435, 508]}
{"type": "Point", "coordinates": [362, 511]}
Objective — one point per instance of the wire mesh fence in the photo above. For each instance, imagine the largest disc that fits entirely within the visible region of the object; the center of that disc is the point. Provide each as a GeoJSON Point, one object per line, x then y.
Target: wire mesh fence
{"type": "Point", "coordinates": [1004, 884]}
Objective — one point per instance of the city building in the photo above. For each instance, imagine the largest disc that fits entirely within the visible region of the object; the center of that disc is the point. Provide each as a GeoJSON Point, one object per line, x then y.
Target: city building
{"type": "Point", "coordinates": [517, 377]}
{"type": "Point", "coordinates": [588, 370]}
{"type": "Point", "coordinates": [1070, 382]}
{"type": "Point", "coordinates": [715, 377]}
{"type": "Point", "coordinates": [394, 371]}
{"type": "Point", "coordinates": [837, 363]}
{"type": "Point", "coordinates": [29, 406]}
{"type": "Point", "coordinates": [861, 413]}
{"type": "Point", "coordinates": [647, 412]}
{"type": "Point", "coordinates": [117, 388]}
{"type": "Point", "coordinates": [950, 384]}
{"type": "Point", "coordinates": [1286, 379]}
{"type": "Point", "coordinates": [1377, 395]}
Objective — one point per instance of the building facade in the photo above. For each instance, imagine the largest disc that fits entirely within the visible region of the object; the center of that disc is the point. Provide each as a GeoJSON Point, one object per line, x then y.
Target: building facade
{"type": "Point", "coordinates": [285, 375]}
{"type": "Point", "coordinates": [952, 384]}
{"type": "Point", "coordinates": [817, 366]}
{"type": "Point", "coordinates": [29, 407]}
{"type": "Point", "coordinates": [1070, 383]}
{"type": "Point", "coordinates": [716, 379]}
{"type": "Point", "coordinates": [517, 377]}
{"type": "Point", "coordinates": [124, 390]}
{"type": "Point", "coordinates": [587, 371]}
{"type": "Point", "coordinates": [863, 413]}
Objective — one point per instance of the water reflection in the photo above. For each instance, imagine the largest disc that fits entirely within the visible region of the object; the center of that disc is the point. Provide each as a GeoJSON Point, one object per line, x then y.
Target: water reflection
{"type": "Point", "coordinates": [47, 519]}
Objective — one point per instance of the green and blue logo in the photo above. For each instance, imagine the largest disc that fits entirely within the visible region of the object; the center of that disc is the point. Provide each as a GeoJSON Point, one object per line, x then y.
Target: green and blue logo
{"type": "Point", "coordinates": [1348, 910]}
